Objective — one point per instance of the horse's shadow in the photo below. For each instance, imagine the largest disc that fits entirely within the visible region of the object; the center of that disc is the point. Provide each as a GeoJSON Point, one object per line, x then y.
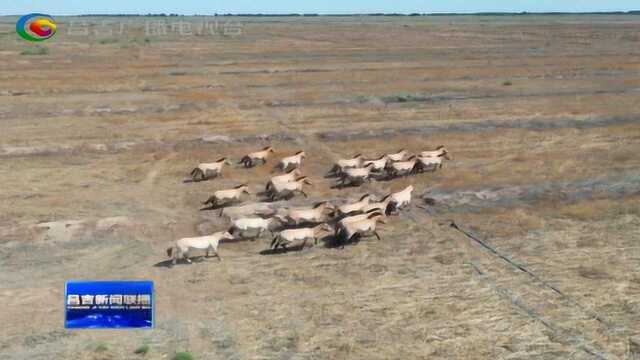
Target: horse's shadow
{"type": "Point", "coordinates": [219, 206]}
{"type": "Point", "coordinates": [279, 251]}
{"type": "Point", "coordinates": [429, 201]}
{"type": "Point", "coordinates": [169, 263]}
{"type": "Point", "coordinates": [240, 239]}
{"type": "Point", "coordinates": [384, 177]}
{"type": "Point", "coordinates": [265, 197]}
{"type": "Point", "coordinates": [189, 181]}
{"type": "Point", "coordinates": [340, 186]}
{"type": "Point", "coordinates": [213, 207]}
{"type": "Point", "coordinates": [332, 242]}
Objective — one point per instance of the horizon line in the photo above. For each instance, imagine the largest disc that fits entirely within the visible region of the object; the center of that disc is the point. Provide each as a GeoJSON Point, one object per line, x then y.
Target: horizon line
{"type": "Point", "coordinates": [415, 14]}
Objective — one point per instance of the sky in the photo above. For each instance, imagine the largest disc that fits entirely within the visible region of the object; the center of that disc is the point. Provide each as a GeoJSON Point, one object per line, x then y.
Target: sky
{"type": "Point", "coordinates": [189, 7]}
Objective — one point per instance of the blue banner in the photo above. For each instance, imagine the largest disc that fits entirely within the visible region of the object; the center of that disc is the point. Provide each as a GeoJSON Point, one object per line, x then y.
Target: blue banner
{"type": "Point", "coordinates": [108, 304]}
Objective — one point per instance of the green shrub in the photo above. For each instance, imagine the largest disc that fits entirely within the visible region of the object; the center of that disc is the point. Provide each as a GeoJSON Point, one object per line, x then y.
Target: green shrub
{"type": "Point", "coordinates": [183, 356]}
{"type": "Point", "coordinates": [403, 97]}
{"type": "Point", "coordinates": [142, 350]}
{"type": "Point", "coordinates": [507, 83]}
{"type": "Point", "coordinates": [101, 347]}
{"type": "Point", "coordinates": [36, 50]}
{"type": "Point", "coordinates": [106, 41]}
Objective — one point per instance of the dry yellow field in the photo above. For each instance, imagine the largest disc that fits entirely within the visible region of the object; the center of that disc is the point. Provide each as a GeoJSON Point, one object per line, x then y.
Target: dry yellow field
{"type": "Point", "coordinates": [540, 114]}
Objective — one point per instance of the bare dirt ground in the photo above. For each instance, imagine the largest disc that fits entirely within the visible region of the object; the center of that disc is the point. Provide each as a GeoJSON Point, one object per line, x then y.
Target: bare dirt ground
{"type": "Point", "coordinates": [540, 114]}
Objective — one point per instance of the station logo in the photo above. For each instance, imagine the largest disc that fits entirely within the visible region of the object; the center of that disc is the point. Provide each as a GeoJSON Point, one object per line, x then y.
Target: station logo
{"type": "Point", "coordinates": [109, 304]}
{"type": "Point", "coordinates": [36, 27]}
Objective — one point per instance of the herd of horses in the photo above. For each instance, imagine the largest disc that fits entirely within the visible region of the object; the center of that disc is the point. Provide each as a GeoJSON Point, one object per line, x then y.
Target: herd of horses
{"type": "Point", "coordinates": [348, 222]}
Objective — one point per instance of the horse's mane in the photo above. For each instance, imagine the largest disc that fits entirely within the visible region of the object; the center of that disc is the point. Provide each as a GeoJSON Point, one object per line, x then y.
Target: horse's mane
{"type": "Point", "coordinates": [240, 186]}
{"type": "Point", "coordinates": [440, 147]}
{"type": "Point", "coordinates": [299, 152]}
{"type": "Point", "coordinates": [221, 159]}
{"type": "Point", "coordinates": [364, 196]}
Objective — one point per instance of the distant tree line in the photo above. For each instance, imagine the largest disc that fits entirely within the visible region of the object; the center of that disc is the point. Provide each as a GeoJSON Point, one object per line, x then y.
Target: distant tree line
{"type": "Point", "coordinates": [524, 13]}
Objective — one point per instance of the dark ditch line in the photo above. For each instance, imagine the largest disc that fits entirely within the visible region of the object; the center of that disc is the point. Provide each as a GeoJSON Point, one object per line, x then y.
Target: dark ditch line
{"type": "Point", "coordinates": [362, 101]}
{"type": "Point", "coordinates": [326, 136]}
{"type": "Point", "coordinates": [486, 125]}
{"type": "Point", "coordinates": [463, 97]}
{"type": "Point", "coordinates": [110, 111]}
{"type": "Point", "coordinates": [447, 97]}
{"type": "Point", "coordinates": [461, 200]}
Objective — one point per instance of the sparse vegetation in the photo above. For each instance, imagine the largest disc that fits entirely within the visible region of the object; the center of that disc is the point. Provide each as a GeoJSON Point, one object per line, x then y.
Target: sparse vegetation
{"type": "Point", "coordinates": [507, 83]}
{"type": "Point", "coordinates": [101, 347]}
{"type": "Point", "coordinates": [403, 97]}
{"type": "Point", "coordinates": [142, 349]}
{"type": "Point", "coordinates": [35, 51]}
{"type": "Point", "coordinates": [183, 356]}
{"type": "Point", "coordinates": [106, 41]}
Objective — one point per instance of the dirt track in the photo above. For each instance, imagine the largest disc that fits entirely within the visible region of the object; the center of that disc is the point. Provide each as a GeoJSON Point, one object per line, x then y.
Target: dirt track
{"type": "Point", "coordinates": [539, 113]}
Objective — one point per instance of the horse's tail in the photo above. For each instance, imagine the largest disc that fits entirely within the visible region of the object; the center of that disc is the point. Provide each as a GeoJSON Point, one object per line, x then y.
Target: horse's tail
{"type": "Point", "coordinates": [244, 159]}
{"type": "Point", "coordinates": [197, 171]}
{"type": "Point", "coordinates": [416, 168]}
{"type": "Point", "coordinates": [339, 234]}
{"type": "Point", "coordinates": [209, 200]}
{"type": "Point", "coordinates": [274, 241]}
{"type": "Point", "coordinates": [334, 170]}
{"type": "Point", "coordinates": [170, 251]}
{"type": "Point", "coordinates": [390, 208]}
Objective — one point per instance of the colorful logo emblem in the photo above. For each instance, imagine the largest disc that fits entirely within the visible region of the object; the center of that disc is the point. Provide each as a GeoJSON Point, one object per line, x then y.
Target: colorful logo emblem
{"type": "Point", "coordinates": [36, 27]}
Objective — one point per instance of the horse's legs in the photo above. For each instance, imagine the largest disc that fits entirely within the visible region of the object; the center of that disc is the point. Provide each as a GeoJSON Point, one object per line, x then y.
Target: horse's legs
{"type": "Point", "coordinates": [353, 237]}
{"type": "Point", "coordinates": [376, 234]}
